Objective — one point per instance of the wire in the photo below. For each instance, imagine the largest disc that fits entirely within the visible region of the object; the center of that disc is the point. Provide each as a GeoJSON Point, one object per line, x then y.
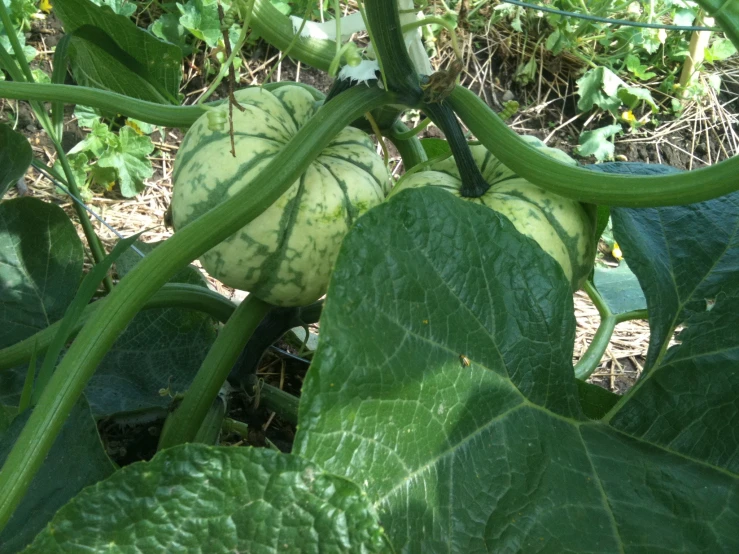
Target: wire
{"type": "Point", "coordinates": [51, 178]}
{"type": "Point", "coordinates": [624, 22]}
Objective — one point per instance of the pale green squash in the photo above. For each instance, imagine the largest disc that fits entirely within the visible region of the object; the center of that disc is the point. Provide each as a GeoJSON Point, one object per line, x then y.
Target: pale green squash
{"type": "Point", "coordinates": [286, 254]}
{"type": "Point", "coordinates": [564, 228]}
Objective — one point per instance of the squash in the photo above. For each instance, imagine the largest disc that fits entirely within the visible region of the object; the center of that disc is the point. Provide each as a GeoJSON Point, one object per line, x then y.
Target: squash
{"type": "Point", "coordinates": [285, 255]}
{"type": "Point", "coordinates": [563, 228]}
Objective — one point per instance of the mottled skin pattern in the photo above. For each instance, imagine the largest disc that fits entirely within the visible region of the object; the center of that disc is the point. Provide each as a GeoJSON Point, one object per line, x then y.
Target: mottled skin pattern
{"type": "Point", "coordinates": [564, 228]}
{"type": "Point", "coordinates": [286, 254]}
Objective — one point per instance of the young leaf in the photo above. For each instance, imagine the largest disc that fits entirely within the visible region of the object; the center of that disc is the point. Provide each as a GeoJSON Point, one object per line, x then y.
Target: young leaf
{"type": "Point", "coordinates": [15, 157]}
{"type": "Point", "coordinates": [596, 143]}
{"type": "Point", "coordinates": [206, 499]}
{"type": "Point", "coordinates": [598, 87]}
{"type": "Point", "coordinates": [721, 49]}
{"type": "Point", "coordinates": [76, 461]}
{"type": "Point", "coordinates": [684, 256]}
{"type": "Point", "coordinates": [168, 28]}
{"type": "Point", "coordinates": [632, 96]}
{"type": "Point", "coordinates": [201, 19]}
{"type": "Point", "coordinates": [127, 156]}
{"type": "Point", "coordinates": [121, 7]}
{"type": "Point", "coordinates": [494, 455]}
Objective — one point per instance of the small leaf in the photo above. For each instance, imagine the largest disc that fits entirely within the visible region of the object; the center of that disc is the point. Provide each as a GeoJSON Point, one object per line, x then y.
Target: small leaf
{"type": "Point", "coordinates": [129, 160]}
{"type": "Point", "coordinates": [435, 147]}
{"type": "Point", "coordinates": [201, 19]}
{"type": "Point", "coordinates": [721, 49]}
{"type": "Point", "coordinates": [596, 143]}
{"type": "Point", "coordinates": [169, 28]}
{"type": "Point", "coordinates": [632, 96]}
{"type": "Point", "coordinates": [598, 87]}
{"type": "Point", "coordinates": [121, 7]}
{"type": "Point", "coordinates": [209, 499]}
{"type": "Point", "coordinates": [15, 157]}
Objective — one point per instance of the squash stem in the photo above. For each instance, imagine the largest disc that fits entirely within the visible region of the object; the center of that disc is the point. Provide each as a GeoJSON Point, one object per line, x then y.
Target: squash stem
{"type": "Point", "coordinates": [473, 183]}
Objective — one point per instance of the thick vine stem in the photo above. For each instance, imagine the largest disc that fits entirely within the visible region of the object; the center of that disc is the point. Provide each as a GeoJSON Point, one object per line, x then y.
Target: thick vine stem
{"type": "Point", "coordinates": [182, 425]}
{"type": "Point", "coordinates": [608, 189]}
{"type": "Point", "coordinates": [149, 112]}
{"type": "Point", "coordinates": [383, 24]}
{"type": "Point", "coordinates": [473, 183]}
{"type": "Point", "coordinates": [171, 295]}
{"type": "Point", "coordinates": [277, 29]}
{"type": "Point", "coordinates": [151, 273]}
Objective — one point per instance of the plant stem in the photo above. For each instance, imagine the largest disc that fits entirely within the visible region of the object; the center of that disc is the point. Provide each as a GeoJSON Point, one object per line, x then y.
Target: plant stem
{"type": "Point", "coordinates": [182, 425]}
{"type": "Point", "coordinates": [588, 363]}
{"type": "Point", "coordinates": [696, 52]}
{"type": "Point", "coordinates": [234, 52]}
{"type": "Point", "coordinates": [405, 135]}
{"type": "Point", "coordinates": [473, 183]}
{"type": "Point", "coordinates": [150, 112]}
{"type": "Point", "coordinates": [15, 43]}
{"type": "Point", "coordinates": [398, 71]}
{"type": "Point", "coordinates": [171, 295]}
{"type": "Point", "coordinates": [277, 400]}
{"type": "Point", "coordinates": [409, 147]}
{"type": "Point", "coordinates": [233, 426]}
{"type": "Point", "coordinates": [575, 182]}
{"type": "Point", "coordinates": [151, 273]}
{"type": "Point", "coordinates": [277, 29]}
{"type": "Point", "coordinates": [442, 23]}
{"type": "Point", "coordinates": [96, 247]}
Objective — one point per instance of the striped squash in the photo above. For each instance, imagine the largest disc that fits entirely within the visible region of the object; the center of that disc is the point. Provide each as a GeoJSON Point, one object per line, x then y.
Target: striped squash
{"type": "Point", "coordinates": [564, 228]}
{"type": "Point", "coordinates": [286, 254]}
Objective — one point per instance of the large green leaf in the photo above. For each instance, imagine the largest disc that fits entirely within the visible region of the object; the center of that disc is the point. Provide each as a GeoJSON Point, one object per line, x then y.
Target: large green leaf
{"type": "Point", "coordinates": [15, 157]}
{"type": "Point", "coordinates": [109, 51]}
{"type": "Point", "coordinates": [76, 460]}
{"type": "Point", "coordinates": [195, 498]}
{"type": "Point", "coordinates": [685, 258]}
{"type": "Point", "coordinates": [160, 350]}
{"type": "Point", "coordinates": [690, 402]}
{"type": "Point", "coordinates": [40, 267]}
{"type": "Point", "coordinates": [496, 456]}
